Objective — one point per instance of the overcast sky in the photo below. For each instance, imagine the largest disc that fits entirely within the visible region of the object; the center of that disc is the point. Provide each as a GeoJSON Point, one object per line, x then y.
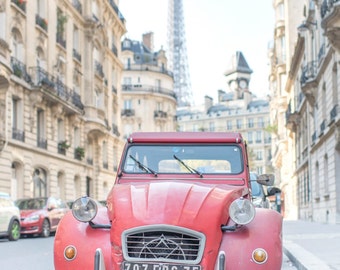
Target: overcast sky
{"type": "Point", "coordinates": [215, 30]}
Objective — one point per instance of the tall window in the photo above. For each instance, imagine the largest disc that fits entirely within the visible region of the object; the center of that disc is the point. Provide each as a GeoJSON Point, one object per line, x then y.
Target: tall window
{"type": "Point", "coordinates": [41, 129]}
{"type": "Point", "coordinates": [335, 85]}
{"type": "Point", "coordinates": [61, 130]}
{"type": "Point", "coordinates": [39, 183]}
{"type": "Point", "coordinates": [76, 43]}
{"type": "Point", "coordinates": [41, 62]}
{"type": "Point", "coordinates": [76, 137]}
{"type": "Point", "coordinates": [229, 125]}
{"type": "Point", "coordinates": [239, 123]}
{"type": "Point", "coordinates": [127, 104]}
{"type": "Point", "coordinates": [41, 8]}
{"type": "Point", "coordinates": [17, 45]}
{"type": "Point", "coordinates": [105, 156]}
{"type": "Point", "coordinates": [325, 176]}
{"type": "Point", "coordinates": [317, 181]}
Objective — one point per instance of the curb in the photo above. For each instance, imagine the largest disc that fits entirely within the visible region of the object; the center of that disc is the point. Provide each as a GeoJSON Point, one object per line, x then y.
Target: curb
{"type": "Point", "coordinates": [303, 259]}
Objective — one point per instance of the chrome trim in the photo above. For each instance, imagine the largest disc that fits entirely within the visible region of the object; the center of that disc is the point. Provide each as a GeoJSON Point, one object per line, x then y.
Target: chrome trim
{"type": "Point", "coordinates": [157, 238]}
{"type": "Point", "coordinates": [99, 263]}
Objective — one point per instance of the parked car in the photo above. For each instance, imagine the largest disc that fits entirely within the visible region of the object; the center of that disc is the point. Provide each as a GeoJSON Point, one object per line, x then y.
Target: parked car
{"type": "Point", "coordinates": [9, 218]}
{"type": "Point", "coordinates": [180, 200]}
{"type": "Point", "coordinates": [41, 216]}
{"type": "Point", "coordinates": [260, 192]}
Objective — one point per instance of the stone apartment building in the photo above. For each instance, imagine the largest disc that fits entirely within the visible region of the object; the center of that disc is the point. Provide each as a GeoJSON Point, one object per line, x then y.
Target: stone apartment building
{"type": "Point", "coordinates": [148, 97]}
{"type": "Point", "coordinates": [59, 97]}
{"type": "Point", "coordinates": [305, 94]}
{"type": "Point", "coordinates": [236, 110]}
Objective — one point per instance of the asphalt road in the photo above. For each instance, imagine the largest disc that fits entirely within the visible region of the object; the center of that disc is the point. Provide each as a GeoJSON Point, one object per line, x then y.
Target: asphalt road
{"type": "Point", "coordinates": [37, 254]}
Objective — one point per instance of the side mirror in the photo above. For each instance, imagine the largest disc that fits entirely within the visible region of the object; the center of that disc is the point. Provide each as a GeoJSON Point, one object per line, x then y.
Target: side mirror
{"type": "Point", "coordinates": [273, 190]}
{"type": "Point", "coordinates": [266, 179]}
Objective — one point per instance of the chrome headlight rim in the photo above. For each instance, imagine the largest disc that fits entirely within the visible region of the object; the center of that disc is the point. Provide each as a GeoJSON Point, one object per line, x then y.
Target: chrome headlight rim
{"type": "Point", "coordinates": [84, 209]}
{"type": "Point", "coordinates": [242, 211]}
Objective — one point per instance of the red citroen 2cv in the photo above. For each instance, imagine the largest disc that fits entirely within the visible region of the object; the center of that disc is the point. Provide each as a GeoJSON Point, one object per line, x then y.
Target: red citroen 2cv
{"type": "Point", "coordinates": [181, 201]}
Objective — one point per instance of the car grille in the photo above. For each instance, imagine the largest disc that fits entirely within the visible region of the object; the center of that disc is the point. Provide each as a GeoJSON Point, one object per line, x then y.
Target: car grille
{"type": "Point", "coordinates": [163, 243]}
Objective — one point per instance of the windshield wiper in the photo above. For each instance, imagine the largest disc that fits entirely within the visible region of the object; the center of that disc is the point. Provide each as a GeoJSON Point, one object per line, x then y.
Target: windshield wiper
{"type": "Point", "coordinates": [143, 167]}
{"type": "Point", "coordinates": [190, 169]}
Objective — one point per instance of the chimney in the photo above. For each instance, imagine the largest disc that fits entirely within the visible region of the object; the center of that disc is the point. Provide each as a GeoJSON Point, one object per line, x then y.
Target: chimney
{"type": "Point", "coordinates": [208, 102]}
{"type": "Point", "coordinates": [148, 40]}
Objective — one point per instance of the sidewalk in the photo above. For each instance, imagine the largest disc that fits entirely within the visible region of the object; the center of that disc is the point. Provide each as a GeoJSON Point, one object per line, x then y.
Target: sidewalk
{"type": "Point", "coordinates": [311, 245]}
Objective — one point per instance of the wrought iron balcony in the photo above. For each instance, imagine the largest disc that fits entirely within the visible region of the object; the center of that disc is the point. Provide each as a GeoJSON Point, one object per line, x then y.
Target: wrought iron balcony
{"type": "Point", "coordinates": [292, 118]}
{"type": "Point", "coordinates": [160, 114]}
{"type": "Point", "coordinates": [19, 69]}
{"type": "Point", "coordinates": [330, 14]}
{"type": "Point", "coordinates": [76, 55]}
{"type": "Point", "coordinates": [333, 114]}
{"type": "Point", "coordinates": [99, 69]}
{"type": "Point", "coordinates": [308, 81]}
{"type": "Point", "coordinates": [42, 143]}
{"type": "Point", "coordinates": [149, 67]}
{"type": "Point", "coordinates": [20, 4]}
{"type": "Point", "coordinates": [128, 112]}
{"type": "Point", "coordinates": [148, 88]}
{"type": "Point", "coordinates": [114, 49]}
{"type": "Point", "coordinates": [61, 41]}
{"type": "Point", "coordinates": [115, 130]}
{"type": "Point", "coordinates": [54, 87]}
{"type": "Point", "coordinates": [42, 22]}
{"type": "Point", "coordinates": [322, 128]}
{"type": "Point", "coordinates": [77, 5]}
{"type": "Point", "coordinates": [18, 134]}
{"type": "Point", "coordinates": [314, 137]}
{"type": "Point", "coordinates": [116, 9]}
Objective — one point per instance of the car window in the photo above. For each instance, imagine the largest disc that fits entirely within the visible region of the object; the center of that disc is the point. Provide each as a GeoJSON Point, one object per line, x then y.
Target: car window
{"type": "Point", "coordinates": [5, 202]}
{"type": "Point", "coordinates": [29, 204]}
{"type": "Point", "coordinates": [214, 159]}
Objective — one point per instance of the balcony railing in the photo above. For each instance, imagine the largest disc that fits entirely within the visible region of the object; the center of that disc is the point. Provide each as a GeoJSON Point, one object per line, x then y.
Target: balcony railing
{"type": "Point", "coordinates": [43, 79]}
{"type": "Point", "coordinates": [42, 143]}
{"type": "Point", "coordinates": [309, 72]}
{"type": "Point", "coordinates": [115, 130]}
{"type": "Point", "coordinates": [149, 68]}
{"type": "Point", "coordinates": [42, 22]}
{"type": "Point", "coordinates": [333, 113]}
{"type": "Point", "coordinates": [327, 6]}
{"type": "Point", "coordinates": [18, 134]}
{"type": "Point", "coordinates": [160, 114]}
{"type": "Point", "coordinates": [148, 88]}
{"type": "Point", "coordinates": [77, 5]}
{"type": "Point", "coordinates": [114, 49]}
{"type": "Point", "coordinates": [116, 9]}
{"type": "Point", "coordinates": [20, 4]}
{"type": "Point", "coordinates": [76, 55]}
{"type": "Point", "coordinates": [99, 69]}
{"type": "Point", "coordinates": [128, 112]}
{"type": "Point", "coordinates": [19, 69]}
{"type": "Point", "coordinates": [61, 41]}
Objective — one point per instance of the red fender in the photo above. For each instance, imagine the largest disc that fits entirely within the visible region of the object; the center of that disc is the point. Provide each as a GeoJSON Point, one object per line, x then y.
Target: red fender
{"type": "Point", "coordinates": [265, 231]}
{"type": "Point", "coordinates": [85, 239]}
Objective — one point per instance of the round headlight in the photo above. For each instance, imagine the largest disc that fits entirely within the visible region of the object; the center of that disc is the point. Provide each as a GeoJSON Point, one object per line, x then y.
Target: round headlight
{"type": "Point", "coordinates": [241, 211]}
{"type": "Point", "coordinates": [84, 209]}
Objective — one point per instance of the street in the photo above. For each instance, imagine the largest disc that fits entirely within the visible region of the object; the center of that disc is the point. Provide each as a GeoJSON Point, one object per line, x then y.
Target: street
{"type": "Point", "coordinates": [37, 254]}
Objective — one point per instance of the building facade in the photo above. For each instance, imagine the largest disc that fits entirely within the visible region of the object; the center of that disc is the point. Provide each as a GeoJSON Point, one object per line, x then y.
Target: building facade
{"type": "Point", "coordinates": [148, 98]}
{"type": "Point", "coordinates": [59, 97]}
{"type": "Point", "coordinates": [311, 122]}
{"type": "Point", "coordinates": [236, 110]}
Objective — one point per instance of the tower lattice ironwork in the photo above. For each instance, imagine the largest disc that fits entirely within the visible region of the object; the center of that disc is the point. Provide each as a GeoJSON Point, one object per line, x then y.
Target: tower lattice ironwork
{"type": "Point", "coordinates": [177, 51]}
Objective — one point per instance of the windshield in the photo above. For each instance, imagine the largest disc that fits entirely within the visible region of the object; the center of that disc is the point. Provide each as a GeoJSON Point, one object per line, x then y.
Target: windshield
{"type": "Point", "coordinates": [30, 204]}
{"type": "Point", "coordinates": [183, 159]}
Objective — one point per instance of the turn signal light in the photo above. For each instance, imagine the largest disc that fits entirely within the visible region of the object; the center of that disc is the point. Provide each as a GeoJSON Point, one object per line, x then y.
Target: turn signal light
{"type": "Point", "coordinates": [70, 253]}
{"type": "Point", "coordinates": [260, 256]}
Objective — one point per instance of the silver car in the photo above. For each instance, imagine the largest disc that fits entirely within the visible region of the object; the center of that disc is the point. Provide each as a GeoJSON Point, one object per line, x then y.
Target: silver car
{"type": "Point", "coordinates": [9, 218]}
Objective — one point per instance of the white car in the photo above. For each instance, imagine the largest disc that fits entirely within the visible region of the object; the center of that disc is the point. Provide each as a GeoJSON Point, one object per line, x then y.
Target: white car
{"type": "Point", "coordinates": [9, 218]}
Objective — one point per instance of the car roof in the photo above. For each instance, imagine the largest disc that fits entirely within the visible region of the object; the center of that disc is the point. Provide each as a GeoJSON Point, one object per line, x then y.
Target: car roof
{"type": "Point", "coordinates": [185, 137]}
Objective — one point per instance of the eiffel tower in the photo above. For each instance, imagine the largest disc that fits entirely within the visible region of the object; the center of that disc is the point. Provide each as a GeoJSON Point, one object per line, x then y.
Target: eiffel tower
{"type": "Point", "coordinates": [177, 52]}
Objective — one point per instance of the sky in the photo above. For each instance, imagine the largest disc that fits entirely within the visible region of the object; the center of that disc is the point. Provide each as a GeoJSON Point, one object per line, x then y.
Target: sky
{"type": "Point", "coordinates": [215, 30]}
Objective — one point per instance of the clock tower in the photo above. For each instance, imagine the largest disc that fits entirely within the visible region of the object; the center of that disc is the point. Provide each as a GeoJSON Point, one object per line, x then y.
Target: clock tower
{"type": "Point", "coordinates": [238, 75]}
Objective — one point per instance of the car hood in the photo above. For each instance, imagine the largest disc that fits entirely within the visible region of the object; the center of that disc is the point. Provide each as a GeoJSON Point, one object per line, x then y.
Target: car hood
{"type": "Point", "coordinates": [200, 207]}
{"type": "Point", "coordinates": [29, 212]}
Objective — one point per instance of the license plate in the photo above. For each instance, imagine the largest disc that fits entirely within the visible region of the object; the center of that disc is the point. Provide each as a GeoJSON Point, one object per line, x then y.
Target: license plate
{"type": "Point", "coordinates": [158, 266]}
